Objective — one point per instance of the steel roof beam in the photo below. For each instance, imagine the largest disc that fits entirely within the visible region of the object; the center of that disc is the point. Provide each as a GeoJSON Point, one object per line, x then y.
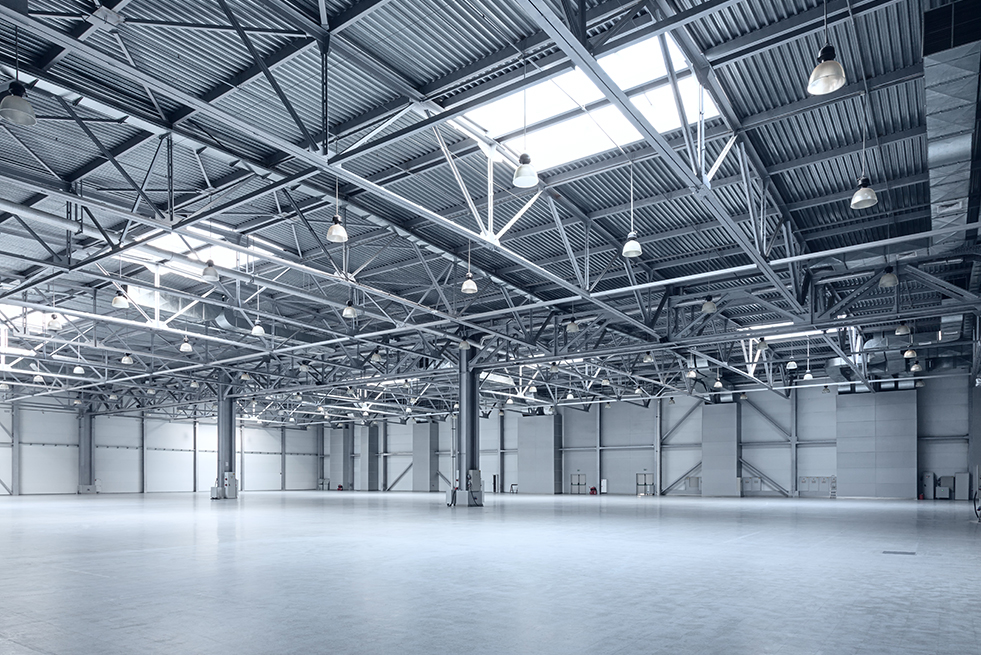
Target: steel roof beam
{"type": "Point", "coordinates": [542, 13]}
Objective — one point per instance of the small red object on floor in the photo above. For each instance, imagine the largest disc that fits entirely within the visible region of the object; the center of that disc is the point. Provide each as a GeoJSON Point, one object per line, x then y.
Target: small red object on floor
{"type": "Point", "coordinates": [592, 491]}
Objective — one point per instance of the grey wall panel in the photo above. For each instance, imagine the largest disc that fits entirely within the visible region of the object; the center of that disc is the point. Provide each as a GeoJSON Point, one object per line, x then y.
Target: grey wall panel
{"type": "Point", "coordinates": [774, 462]}
{"type": "Point", "coordinates": [691, 430]}
{"type": "Point", "coordinates": [489, 467]}
{"type": "Point", "coordinates": [169, 471]}
{"type": "Point", "coordinates": [755, 426]}
{"type": "Point", "coordinates": [207, 455]}
{"type": "Point", "coordinates": [539, 456]}
{"type": "Point", "coordinates": [720, 437]}
{"type": "Point", "coordinates": [620, 468]}
{"type": "Point", "coordinates": [510, 469]}
{"type": "Point", "coordinates": [579, 428]}
{"type": "Point", "coordinates": [6, 448]}
{"type": "Point", "coordinates": [301, 472]}
{"type": "Point", "coordinates": [877, 449]}
{"type": "Point", "coordinates": [511, 430]}
{"type": "Point", "coordinates": [675, 463]}
{"type": "Point", "coordinates": [341, 465]}
{"type": "Point", "coordinates": [369, 439]}
{"type": "Point", "coordinates": [447, 432]}
{"type": "Point", "coordinates": [6, 457]}
{"type": "Point", "coordinates": [446, 468]}
{"type": "Point", "coordinates": [817, 461]}
{"type": "Point", "coordinates": [48, 469]}
{"type": "Point", "coordinates": [942, 407]}
{"type": "Point", "coordinates": [816, 415]}
{"type": "Point", "coordinates": [118, 470]}
{"type": "Point", "coordinates": [488, 430]}
{"type": "Point", "coordinates": [625, 424]}
{"type": "Point", "coordinates": [425, 460]}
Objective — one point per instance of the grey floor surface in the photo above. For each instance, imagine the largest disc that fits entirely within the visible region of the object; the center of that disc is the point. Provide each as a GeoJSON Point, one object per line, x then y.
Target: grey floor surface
{"type": "Point", "coordinates": [309, 572]}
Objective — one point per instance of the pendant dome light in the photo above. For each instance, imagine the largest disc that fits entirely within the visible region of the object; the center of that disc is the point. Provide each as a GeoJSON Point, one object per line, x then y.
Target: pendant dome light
{"type": "Point", "coordinates": [632, 247]}
{"type": "Point", "coordinates": [525, 175]}
{"type": "Point", "coordinates": [15, 107]}
{"type": "Point", "coordinates": [569, 396]}
{"type": "Point", "coordinates": [195, 384]}
{"type": "Point", "coordinates": [38, 379]}
{"type": "Point", "coordinates": [572, 327]}
{"type": "Point", "coordinates": [554, 368]}
{"type": "Point", "coordinates": [792, 364]}
{"type": "Point", "coordinates": [909, 354]}
{"type": "Point", "coordinates": [916, 367]}
{"type": "Point", "coordinates": [4, 386]}
{"type": "Point", "coordinates": [692, 374]}
{"type": "Point", "coordinates": [761, 344]}
{"type": "Point", "coordinates": [469, 286]}
{"type": "Point", "coordinates": [708, 307]}
{"type": "Point", "coordinates": [376, 357]}
{"type": "Point", "coordinates": [902, 329]}
{"type": "Point", "coordinates": [807, 373]}
{"type": "Point", "coordinates": [648, 357]}
{"type": "Point", "coordinates": [349, 310]}
{"type": "Point", "coordinates": [533, 389]}
{"type": "Point", "coordinates": [828, 76]}
{"type": "Point", "coordinates": [336, 232]}
{"type": "Point", "coordinates": [889, 279]}
{"type": "Point", "coordinates": [126, 360]}
{"type": "Point", "coordinates": [54, 324]}
{"type": "Point", "coordinates": [257, 329]}
{"type": "Point", "coordinates": [464, 345]}
{"type": "Point", "coordinates": [78, 370]}
{"type": "Point", "coordinates": [186, 346]}
{"type": "Point", "coordinates": [718, 382]}
{"type": "Point", "coordinates": [210, 273]}
{"type": "Point", "coordinates": [245, 377]}
{"type": "Point", "coordinates": [826, 389]}
{"type": "Point", "coordinates": [864, 197]}
{"type": "Point", "coordinates": [119, 301]}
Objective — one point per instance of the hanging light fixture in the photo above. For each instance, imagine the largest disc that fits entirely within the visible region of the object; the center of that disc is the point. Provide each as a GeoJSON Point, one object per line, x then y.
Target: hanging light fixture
{"type": "Point", "coordinates": [572, 327]}
{"type": "Point", "coordinates": [648, 357]}
{"type": "Point", "coordinates": [186, 346]}
{"type": "Point", "coordinates": [605, 382]}
{"type": "Point", "coordinates": [828, 76]}
{"type": "Point", "coordinates": [469, 286]}
{"type": "Point", "coordinates": [119, 301]}
{"type": "Point", "coordinates": [532, 389]}
{"type": "Point", "coordinates": [78, 370]}
{"type": "Point", "coordinates": [671, 400]}
{"type": "Point", "coordinates": [554, 368]}
{"type": "Point", "coordinates": [920, 384]}
{"type": "Point", "coordinates": [692, 374]}
{"type": "Point", "coordinates": [718, 383]}
{"type": "Point", "coordinates": [15, 107]}
{"type": "Point", "coordinates": [909, 354]}
{"type": "Point", "coordinates": [54, 323]}
{"type": "Point", "coordinates": [639, 391]}
{"type": "Point", "coordinates": [210, 273]}
{"type": "Point", "coordinates": [258, 330]}
{"type": "Point", "coordinates": [826, 389]}
{"type": "Point", "coordinates": [245, 377]}
{"type": "Point", "coordinates": [569, 396]}
{"type": "Point", "coordinates": [888, 279]}
{"type": "Point", "coordinates": [349, 310]}
{"type": "Point", "coordinates": [632, 247]}
{"type": "Point", "coordinates": [376, 357]}
{"type": "Point", "coordinates": [113, 396]}
{"type": "Point", "coordinates": [743, 396]}
{"type": "Point", "coordinates": [464, 345]}
{"type": "Point", "coordinates": [761, 344]}
{"type": "Point", "coordinates": [807, 373]}
{"type": "Point", "coordinates": [151, 392]}
{"type": "Point", "coordinates": [4, 386]}
{"type": "Point", "coordinates": [525, 175]}
{"type": "Point", "coordinates": [38, 379]}
{"type": "Point", "coordinates": [126, 360]}
{"type": "Point", "coordinates": [902, 330]}
{"type": "Point", "coordinates": [336, 232]}
{"type": "Point", "coordinates": [916, 367]}
{"type": "Point", "coordinates": [708, 307]}
{"type": "Point", "coordinates": [864, 197]}
{"type": "Point", "coordinates": [792, 365]}
{"type": "Point", "coordinates": [194, 384]}
{"type": "Point", "coordinates": [304, 367]}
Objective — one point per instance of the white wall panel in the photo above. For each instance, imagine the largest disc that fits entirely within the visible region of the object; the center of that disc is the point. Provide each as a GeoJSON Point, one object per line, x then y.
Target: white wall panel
{"type": "Point", "coordinates": [116, 430]}
{"type": "Point", "coordinates": [511, 469]}
{"type": "Point", "coordinates": [446, 468]}
{"type": "Point", "coordinates": [262, 472]}
{"type": "Point", "coordinates": [620, 468]}
{"type": "Point", "coordinates": [207, 455]}
{"type": "Point", "coordinates": [942, 457]}
{"type": "Point", "coordinates": [676, 462]}
{"type": "Point", "coordinates": [6, 451]}
{"type": "Point", "coordinates": [816, 414]}
{"type": "Point", "coordinates": [301, 472]}
{"type": "Point", "coordinates": [578, 461]}
{"type": "Point", "coordinates": [772, 461]}
{"type": "Point", "coordinates": [118, 470]}
{"type": "Point", "coordinates": [301, 441]}
{"type": "Point", "coordinates": [625, 424]}
{"type": "Point", "coordinates": [399, 438]}
{"type": "Point", "coordinates": [267, 440]}
{"type": "Point", "coordinates": [397, 464]}
{"type": "Point", "coordinates": [817, 461]}
{"type": "Point", "coordinates": [168, 470]}
{"type": "Point", "coordinates": [756, 426]}
{"type": "Point", "coordinates": [49, 426]}
{"type": "Point", "coordinates": [578, 428]}
{"type": "Point", "coordinates": [49, 469]}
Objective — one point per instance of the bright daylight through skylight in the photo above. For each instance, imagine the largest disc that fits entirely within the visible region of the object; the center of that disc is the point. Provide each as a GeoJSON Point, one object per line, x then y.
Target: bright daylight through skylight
{"type": "Point", "coordinates": [583, 133]}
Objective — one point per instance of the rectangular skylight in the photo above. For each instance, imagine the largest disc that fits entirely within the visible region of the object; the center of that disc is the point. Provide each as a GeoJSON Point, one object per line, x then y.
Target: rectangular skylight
{"type": "Point", "coordinates": [588, 133]}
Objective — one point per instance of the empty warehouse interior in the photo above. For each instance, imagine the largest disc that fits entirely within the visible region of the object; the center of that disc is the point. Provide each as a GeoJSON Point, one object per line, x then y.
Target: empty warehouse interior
{"type": "Point", "coordinates": [664, 317]}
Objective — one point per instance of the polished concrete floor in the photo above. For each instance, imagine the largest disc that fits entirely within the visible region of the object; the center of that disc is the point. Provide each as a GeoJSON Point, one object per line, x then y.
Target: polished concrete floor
{"type": "Point", "coordinates": [308, 572]}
